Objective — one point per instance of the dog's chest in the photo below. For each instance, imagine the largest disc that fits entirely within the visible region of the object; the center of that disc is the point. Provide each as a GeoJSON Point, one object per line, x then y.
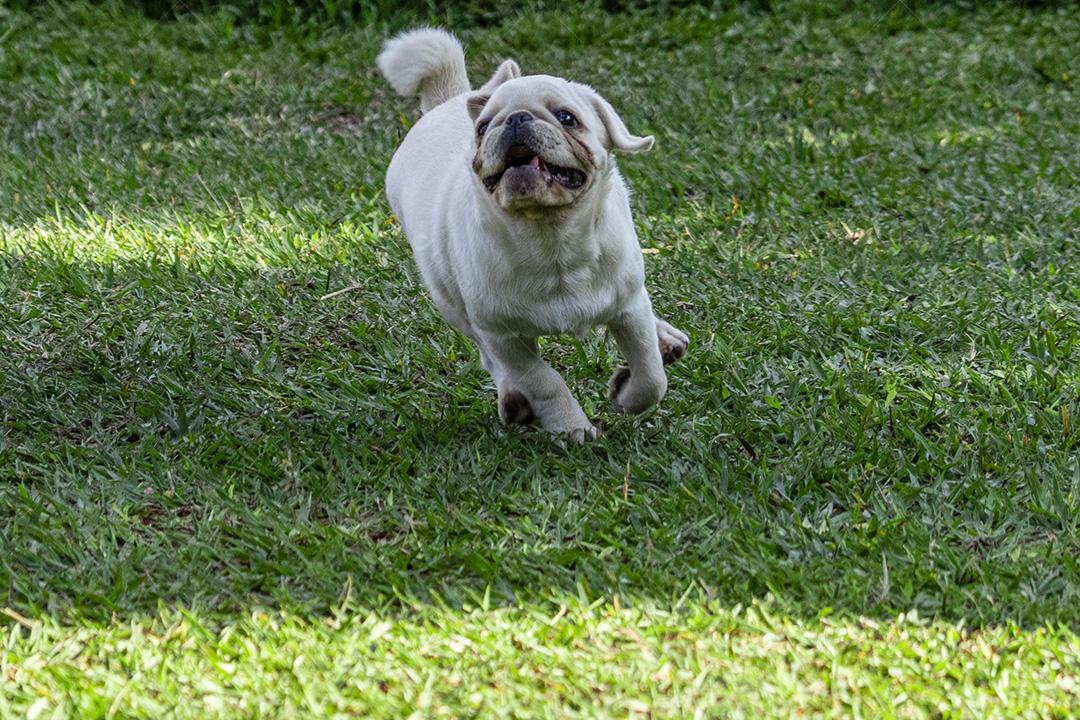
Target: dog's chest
{"type": "Point", "coordinates": [568, 301]}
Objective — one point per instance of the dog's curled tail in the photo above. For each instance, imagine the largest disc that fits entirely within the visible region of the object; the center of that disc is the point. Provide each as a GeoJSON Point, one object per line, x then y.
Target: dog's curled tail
{"type": "Point", "coordinates": [428, 62]}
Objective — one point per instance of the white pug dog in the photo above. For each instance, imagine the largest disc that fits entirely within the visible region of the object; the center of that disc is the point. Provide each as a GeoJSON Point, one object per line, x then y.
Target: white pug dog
{"type": "Point", "coordinates": [520, 224]}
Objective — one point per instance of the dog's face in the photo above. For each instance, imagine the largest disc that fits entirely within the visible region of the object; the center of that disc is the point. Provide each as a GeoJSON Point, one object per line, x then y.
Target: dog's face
{"type": "Point", "coordinates": [541, 141]}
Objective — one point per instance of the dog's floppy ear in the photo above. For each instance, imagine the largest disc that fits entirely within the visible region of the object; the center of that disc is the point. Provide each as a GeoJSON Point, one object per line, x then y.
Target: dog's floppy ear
{"type": "Point", "coordinates": [620, 137]}
{"type": "Point", "coordinates": [475, 104]}
{"type": "Point", "coordinates": [477, 100]}
{"type": "Point", "coordinates": [507, 71]}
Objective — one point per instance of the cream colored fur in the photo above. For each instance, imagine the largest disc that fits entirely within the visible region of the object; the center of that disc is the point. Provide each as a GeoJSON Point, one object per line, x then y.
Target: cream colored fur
{"type": "Point", "coordinates": [538, 255]}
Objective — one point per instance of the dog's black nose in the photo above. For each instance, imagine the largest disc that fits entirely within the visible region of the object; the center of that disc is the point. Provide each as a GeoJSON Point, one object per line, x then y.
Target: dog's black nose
{"type": "Point", "coordinates": [518, 118]}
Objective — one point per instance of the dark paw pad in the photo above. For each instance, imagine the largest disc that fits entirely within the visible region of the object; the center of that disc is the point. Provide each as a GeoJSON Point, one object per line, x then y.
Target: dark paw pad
{"type": "Point", "coordinates": [671, 351]}
{"type": "Point", "coordinates": [618, 380]}
{"type": "Point", "coordinates": [515, 408]}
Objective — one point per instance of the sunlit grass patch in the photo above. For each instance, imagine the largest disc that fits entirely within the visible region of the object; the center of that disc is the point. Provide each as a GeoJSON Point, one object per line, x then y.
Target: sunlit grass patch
{"type": "Point", "coordinates": [573, 660]}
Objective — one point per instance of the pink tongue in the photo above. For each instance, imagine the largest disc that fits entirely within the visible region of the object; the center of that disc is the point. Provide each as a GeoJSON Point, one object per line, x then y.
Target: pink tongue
{"type": "Point", "coordinates": [536, 162]}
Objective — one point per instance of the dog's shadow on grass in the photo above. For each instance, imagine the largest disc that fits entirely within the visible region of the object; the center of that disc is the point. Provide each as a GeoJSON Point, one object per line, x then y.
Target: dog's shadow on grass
{"type": "Point", "coordinates": [223, 436]}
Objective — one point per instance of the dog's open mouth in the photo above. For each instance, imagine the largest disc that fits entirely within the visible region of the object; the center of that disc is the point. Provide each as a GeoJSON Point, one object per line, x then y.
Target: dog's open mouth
{"type": "Point", "coordinates": [522, 156]}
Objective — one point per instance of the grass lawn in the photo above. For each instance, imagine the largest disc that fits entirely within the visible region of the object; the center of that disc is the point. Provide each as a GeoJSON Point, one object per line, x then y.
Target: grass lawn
{"type": "Point", "coordinates": [247, 471]}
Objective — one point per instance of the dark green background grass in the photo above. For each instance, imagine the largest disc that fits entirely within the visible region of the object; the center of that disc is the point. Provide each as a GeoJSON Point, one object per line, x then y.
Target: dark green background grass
{"type": "Point", "coordinates": [867, 221]}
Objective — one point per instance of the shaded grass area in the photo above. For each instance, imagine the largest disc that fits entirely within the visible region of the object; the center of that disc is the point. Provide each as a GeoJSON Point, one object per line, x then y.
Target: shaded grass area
{"type": "Point", "coordinates": [232, 426]}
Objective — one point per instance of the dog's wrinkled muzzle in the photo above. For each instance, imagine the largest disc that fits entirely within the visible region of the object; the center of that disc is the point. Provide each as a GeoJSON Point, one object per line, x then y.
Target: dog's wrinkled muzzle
{"type": "Point", "coordinates": [521, 145]}
{"type": "Point", "coordinates": [518, 133]}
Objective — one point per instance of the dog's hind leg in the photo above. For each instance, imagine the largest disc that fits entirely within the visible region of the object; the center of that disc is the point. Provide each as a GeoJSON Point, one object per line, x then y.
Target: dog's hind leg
{"type": "Point", "coordinates": [514, 406]}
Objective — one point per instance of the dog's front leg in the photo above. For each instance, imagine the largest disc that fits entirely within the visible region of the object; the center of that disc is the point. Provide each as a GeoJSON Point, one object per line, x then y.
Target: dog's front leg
{"type": "Point", "coordinates": [529, 387]}
{"type": "Point", "coordinates": [641, 382]}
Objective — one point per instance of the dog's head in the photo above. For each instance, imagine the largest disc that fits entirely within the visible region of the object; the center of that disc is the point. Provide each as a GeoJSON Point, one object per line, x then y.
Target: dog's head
{"type": "Point", "coordinates": [541, 141]}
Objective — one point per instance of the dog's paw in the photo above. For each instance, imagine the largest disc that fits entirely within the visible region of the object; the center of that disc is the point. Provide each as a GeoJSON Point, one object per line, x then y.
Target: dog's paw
{"type": "Point", "coordinates": [580, 435]}
{"type": "Point", "coordinates": [631, 397]}
{"type": "Point", "coordinates": [579, 429]}
{"type": "Point", "coordinates": [673, 342]}
{"type": "Point", "coordinates": [515, 408]}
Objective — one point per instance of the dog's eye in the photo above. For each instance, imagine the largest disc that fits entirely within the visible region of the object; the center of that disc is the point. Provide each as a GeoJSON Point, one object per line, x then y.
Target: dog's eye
{"type": "Point", "coordinates": [566, 118]}
{"type": "Point", "coordinates": [482, 128]}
